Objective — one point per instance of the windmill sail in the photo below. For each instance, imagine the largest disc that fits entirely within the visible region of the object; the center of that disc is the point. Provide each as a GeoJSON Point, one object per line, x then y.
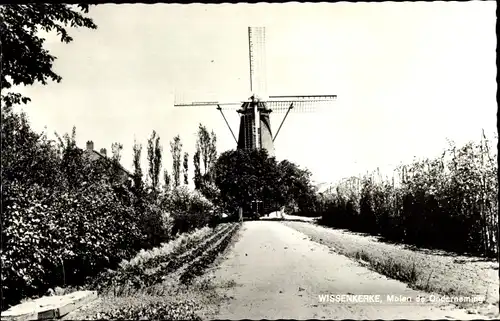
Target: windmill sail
{"type": "Point", "coordinates": [255, 126]}
{"type": "Point", "coordinates": [257, 134]}
{"type": "Point", "coordinates": [257, 51]}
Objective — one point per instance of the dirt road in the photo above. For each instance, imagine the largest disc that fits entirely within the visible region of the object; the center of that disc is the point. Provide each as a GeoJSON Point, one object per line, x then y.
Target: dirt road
{"type": "Point", "coordinates": [279, 273]}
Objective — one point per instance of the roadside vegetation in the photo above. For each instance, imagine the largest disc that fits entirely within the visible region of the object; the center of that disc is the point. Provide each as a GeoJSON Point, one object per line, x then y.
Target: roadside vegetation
{"type": "Point", "coordinates": [160, 273]}
{"type": "Point", "coordinates": [434, 225]}
{"type": "Point", "coordinates": [448, 203]}
{"type": "Point", "coordinates": [161, 283]}
{"type": "Point", "coordinates": [67, 216]}
{"type": "Point", "coordinates": [431, 271]}
{"type": "Point", "coordinates": [72, 219]}
{"type": "Point", "coordinates": [183, 258]}
{"type": "Point", "coordinates": [74, 223]}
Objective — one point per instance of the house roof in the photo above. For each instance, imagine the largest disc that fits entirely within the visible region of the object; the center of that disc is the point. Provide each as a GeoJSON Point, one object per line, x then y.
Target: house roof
{"type": "Point", "coordinates": [108, 159]}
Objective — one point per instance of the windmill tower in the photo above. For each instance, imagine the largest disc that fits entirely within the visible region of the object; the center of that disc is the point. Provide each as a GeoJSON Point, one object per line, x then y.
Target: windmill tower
{"type": "Point", "coordinates": [258, 134]}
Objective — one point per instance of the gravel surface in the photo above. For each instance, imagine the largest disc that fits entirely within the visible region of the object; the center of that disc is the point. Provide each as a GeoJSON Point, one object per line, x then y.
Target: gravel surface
{"type": "Point", "coordinates": [275, 272]}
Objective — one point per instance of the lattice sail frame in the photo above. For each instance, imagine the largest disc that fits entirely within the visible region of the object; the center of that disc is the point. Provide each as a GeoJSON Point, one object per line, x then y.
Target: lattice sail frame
{"type": "Point", "coordinates": [258, 68]}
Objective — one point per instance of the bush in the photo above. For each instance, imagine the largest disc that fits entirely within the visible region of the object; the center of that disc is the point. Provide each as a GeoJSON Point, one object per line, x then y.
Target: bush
{"type": "Point", "coordinates": [449, 202]}
{"type": "Point", "coordinates": [64, 217]}
{"type": "Point", "coordinates": [189, 210]}
{"type": "Point", "coordinates": [154, 224]}
{"type": "Point", "coordinates": [54, 238]}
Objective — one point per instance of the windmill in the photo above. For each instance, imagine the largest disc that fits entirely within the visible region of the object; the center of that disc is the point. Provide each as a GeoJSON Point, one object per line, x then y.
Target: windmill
{"type": "Point", "coordinates": [258, 134]}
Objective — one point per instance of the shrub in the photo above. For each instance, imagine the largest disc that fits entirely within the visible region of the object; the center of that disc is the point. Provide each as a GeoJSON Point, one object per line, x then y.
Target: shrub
{"type": "Point", "coordinates": [64, 218]}
{"type": "Point", "coordinates": [189, 210]}
{"type": "Point", "coordinates": [449, 202]}
{"type": "Point", "coordinates": [154, 224]}
{"type": "Point", "coordinates": [61, 237]}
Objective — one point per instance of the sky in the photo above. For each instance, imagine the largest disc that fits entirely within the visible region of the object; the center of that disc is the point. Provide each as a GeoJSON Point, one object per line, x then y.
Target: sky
{"type": "Point", "coordinates": [407, 76]}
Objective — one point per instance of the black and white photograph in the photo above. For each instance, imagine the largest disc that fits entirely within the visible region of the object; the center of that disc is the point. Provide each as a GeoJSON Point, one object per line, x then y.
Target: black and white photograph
{"type": "Point", "coordinates": [231, 161]}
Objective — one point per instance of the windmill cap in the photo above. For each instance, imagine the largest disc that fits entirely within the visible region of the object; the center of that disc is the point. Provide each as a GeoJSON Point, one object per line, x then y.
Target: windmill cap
{"type": "Point", "coordinates": [257, 97]}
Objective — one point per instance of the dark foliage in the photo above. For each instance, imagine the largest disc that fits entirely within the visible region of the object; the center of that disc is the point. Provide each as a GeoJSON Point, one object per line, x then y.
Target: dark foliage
{"type": "Point", "coordinates": [449, 203]}
{"type": "Point", "coordinates": [64, 216]}
{"type": "Point", "coordinates": [244, 176]}
{"type": "Point", "coordinates": [24, 60]}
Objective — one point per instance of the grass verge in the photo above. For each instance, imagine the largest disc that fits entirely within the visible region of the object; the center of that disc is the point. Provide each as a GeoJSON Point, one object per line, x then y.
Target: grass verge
{"type": "Point", "coordinates": [440, 273]}
{"type": "Point", "coordinates": [405, 271]}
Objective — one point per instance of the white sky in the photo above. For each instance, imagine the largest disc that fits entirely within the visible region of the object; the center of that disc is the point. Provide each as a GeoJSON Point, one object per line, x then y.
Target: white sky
{"type": "Point", "coordinates": [407, 76]}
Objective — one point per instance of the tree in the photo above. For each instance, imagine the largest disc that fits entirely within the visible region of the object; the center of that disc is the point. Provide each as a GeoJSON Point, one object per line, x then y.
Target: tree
{"type": "Point", "coordinates": [176, 149]}
{"type": "Point", "coordinates": [205, 157]}
{"type": "Point", "coordinates": [27, 156]}
{"type": "Point", "coordinates": [137, 149]}
{"type": "Point", "coordinates": [212, 152]}
{"type": "Point", "coordinates": [244, 176]}
{"type": "Point", "coordinates": [116, 149]}
{"type": "Point", "coordinates": [72, 161]}
{"type": "Point", "coordinates": [158, 157]}
{"type": "Point", "coordinates": [185, 165]}
{"type": "Point", "coordinates": [206, 145]}
{"type": "Point", "coordinates": [296, 186]}
{"type": "Point", "coordinates": [197, 171]}
{"type": "Point", "coordinates": [167, 180]}
{"type": "Point", "coordinates": [154, 160]}
{"type": "Point", "coordinates": [24, 60]}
